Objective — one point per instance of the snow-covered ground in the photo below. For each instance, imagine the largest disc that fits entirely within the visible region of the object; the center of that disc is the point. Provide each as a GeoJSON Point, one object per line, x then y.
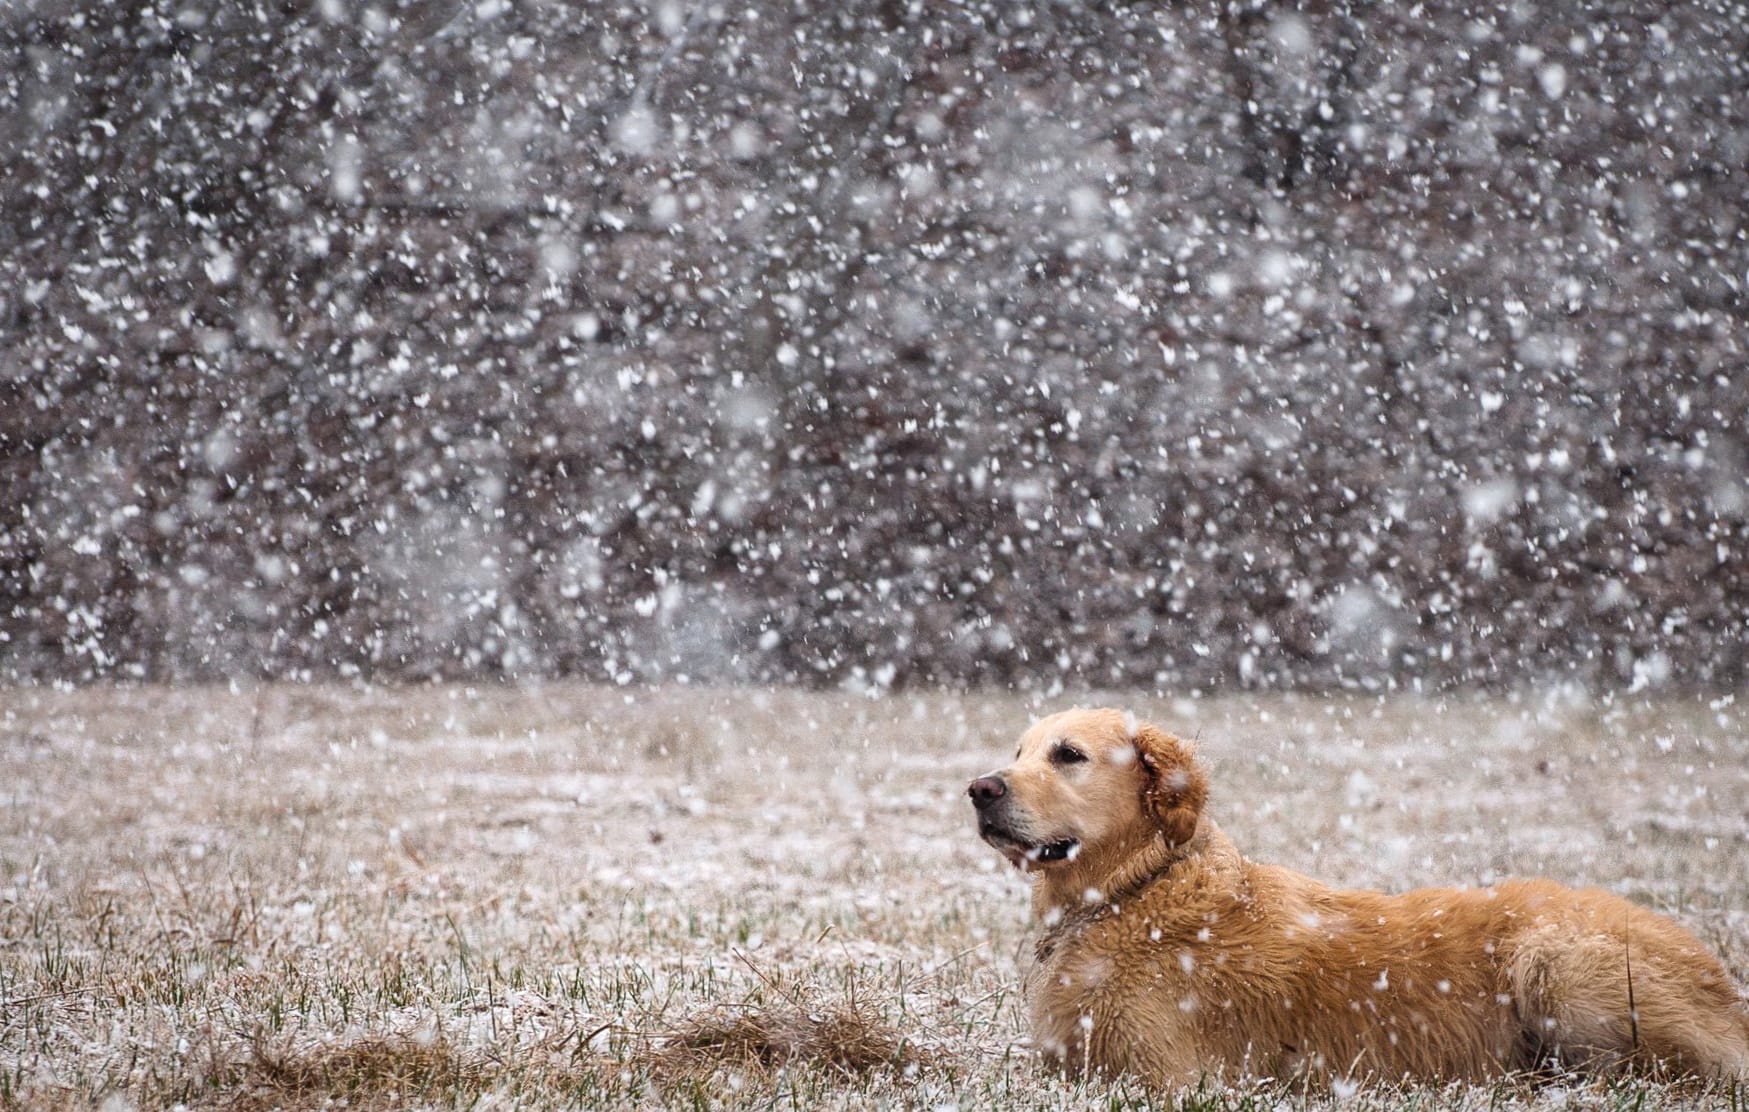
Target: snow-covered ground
{"type": "Point", "coordinates": [220, 896]}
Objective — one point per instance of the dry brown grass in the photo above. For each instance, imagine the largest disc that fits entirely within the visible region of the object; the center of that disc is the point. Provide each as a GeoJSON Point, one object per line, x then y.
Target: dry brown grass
{"type": "Point", "coordinates": [370, 1073]}
{"type": "Point", "coordinates": [842, 1035]}
{"type": "Point", "coordinates": [443, 896]}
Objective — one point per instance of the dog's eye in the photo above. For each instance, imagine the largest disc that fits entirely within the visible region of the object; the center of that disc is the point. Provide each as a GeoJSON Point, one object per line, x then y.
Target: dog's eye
{"type": "Point", "coordinates": [1067, 755]}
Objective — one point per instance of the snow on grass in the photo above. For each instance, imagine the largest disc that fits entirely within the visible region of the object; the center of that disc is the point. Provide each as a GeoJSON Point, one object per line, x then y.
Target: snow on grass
{"type": "Point", "coordinates": [443, 895]}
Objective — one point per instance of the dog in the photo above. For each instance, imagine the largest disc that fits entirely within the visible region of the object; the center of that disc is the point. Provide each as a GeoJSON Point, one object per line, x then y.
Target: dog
{"type": "Point", "coordinates": [1164, 953]}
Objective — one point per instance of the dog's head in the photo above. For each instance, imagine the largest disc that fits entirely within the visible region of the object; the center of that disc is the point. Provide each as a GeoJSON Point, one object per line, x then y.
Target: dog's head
{"type": "Point", "coordinates": [1089, 789]}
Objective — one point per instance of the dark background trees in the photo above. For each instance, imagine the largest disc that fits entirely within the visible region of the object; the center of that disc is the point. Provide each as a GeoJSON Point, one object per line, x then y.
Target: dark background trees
{"type": "Point", "coordinates": [876, 343]}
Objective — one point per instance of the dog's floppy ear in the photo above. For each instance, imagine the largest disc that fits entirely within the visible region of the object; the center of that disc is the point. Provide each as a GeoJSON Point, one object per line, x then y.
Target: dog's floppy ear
{"type": "Point", "coordinates": [1174, 788]}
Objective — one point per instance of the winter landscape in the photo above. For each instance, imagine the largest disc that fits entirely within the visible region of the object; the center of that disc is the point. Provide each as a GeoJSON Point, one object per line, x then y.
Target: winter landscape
{"type": "Point", "coordinates": [520, 518]}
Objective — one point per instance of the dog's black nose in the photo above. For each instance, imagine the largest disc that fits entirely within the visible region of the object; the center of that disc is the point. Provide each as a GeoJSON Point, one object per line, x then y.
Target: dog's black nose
{"type": "Point", "coordinates": [986, 790]}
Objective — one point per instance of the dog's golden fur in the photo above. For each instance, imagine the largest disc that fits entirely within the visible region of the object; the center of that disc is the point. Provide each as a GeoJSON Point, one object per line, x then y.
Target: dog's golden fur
{"type": "Point", "coordinates": [1167, 954]}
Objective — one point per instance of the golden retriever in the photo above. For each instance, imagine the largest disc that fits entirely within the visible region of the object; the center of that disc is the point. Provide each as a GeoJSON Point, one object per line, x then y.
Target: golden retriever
{"type": "Point", "coordinates": [1166, 954]}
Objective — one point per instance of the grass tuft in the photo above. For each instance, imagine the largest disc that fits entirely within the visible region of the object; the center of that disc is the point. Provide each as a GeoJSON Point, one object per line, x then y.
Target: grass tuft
{"type": "Point", "coordinates": [369, 1073]}
{"type": "Point", "coordinates": [844, 1036]}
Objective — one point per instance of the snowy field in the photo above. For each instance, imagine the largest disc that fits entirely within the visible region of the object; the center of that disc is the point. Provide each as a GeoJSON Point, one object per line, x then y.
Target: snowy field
{"type": "Point", "coordinates": [517, 897]}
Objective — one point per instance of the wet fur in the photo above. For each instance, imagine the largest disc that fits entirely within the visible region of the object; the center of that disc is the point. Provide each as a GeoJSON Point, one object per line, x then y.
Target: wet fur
{"type": "Point", "coordinates": [1167, 954]}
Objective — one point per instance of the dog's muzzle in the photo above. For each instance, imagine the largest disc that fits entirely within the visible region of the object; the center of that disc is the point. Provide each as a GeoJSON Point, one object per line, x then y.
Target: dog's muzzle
{"type": "Point", "coordinates": [988, 794]}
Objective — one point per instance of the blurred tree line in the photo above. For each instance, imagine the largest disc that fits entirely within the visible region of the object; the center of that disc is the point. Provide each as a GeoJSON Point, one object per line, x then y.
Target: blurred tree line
{"type": "Point", "coordinates": [875, 342]}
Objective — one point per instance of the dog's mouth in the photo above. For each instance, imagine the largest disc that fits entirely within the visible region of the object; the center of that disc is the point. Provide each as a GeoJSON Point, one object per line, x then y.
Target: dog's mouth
{"type": "Point", "coordinates": [1024, 854]}
{"type": "Point", "coordinates": [1066, 850]}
